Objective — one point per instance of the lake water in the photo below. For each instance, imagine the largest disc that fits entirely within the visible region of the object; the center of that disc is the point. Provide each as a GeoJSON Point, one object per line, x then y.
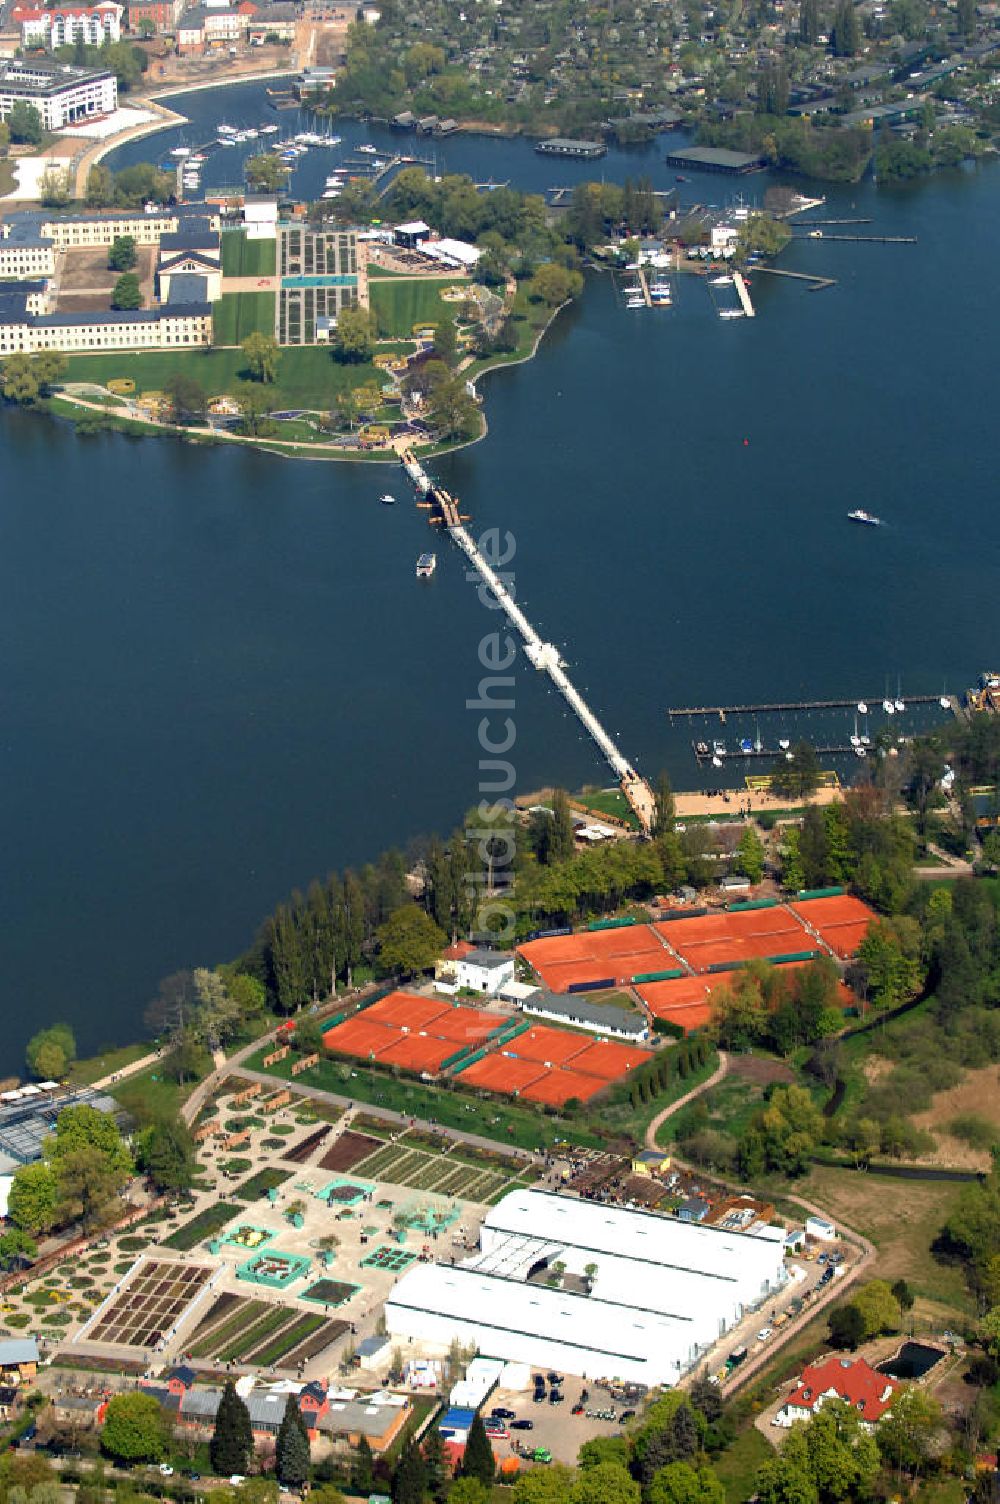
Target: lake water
{"type": "Point", "coordinates": [221, 676]}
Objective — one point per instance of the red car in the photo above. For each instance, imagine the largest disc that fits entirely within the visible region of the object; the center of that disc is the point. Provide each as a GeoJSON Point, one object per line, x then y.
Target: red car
{"type": "Point", "coordinates": [576, 1410]}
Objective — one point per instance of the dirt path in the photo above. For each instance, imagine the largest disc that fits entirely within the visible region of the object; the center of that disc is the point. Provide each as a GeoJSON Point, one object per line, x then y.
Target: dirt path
{"type": "Point", "coordinates": [696, 1091]}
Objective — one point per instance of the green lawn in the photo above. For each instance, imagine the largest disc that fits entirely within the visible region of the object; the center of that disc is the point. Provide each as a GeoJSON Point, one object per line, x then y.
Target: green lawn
{"type": "Point", "coordinates": [737, 1466]}
{"type": "Point", "coordinates": [398, 306]}
{"type": "Point", "coordinates": [247, 258]}
{"type": "Point", "coordinates": [608, 802]}
{"type": "Point", "coordinates": [493, 1118]}
{"type": "Point", "coordinates": [238, 314]}
{"type": "Point", "coordinates": [115, 1058]}
{"type": "Point", "coordinates": [307, 375]}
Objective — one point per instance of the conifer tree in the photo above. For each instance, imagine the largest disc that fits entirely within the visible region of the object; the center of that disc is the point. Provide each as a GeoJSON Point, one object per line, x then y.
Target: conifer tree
{"type": "Point", "coordinates": [291, 1455]}
{"type": "Point", "coordinates": [362, 1469]}
{"type": "Point", "coordinates": [232, 1439]}
{"type": "Point", "coordinates": [436, 1466]}
{"type": "Point", "coordinates": [478, 1460]}
{"type": "Point", "coordinates": [410, 1478]}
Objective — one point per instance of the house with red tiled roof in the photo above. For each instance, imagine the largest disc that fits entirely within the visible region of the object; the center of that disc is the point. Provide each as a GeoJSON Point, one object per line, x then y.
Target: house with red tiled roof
{"type": "Point", "coordinates": [849, 1379]}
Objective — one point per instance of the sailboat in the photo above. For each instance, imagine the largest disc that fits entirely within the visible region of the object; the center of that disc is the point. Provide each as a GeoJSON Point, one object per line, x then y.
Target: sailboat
{"type": "Point", "coordinates": [855, 738]}
{"type": "Point", "coordinates": [899, 704]}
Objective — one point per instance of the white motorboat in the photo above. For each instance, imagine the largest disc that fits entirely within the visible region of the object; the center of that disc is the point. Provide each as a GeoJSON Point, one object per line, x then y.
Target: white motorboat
{"type": "Point", "coordinates": [888, 707]}
{"type": "Point", "coordinates": [944, 702]}
{"type": "Point", "coordinates": [731, 313]}
{"type": "Point", "coordinates": [862, 708]}
{"type": "Point", "coordinates": [784, 743]}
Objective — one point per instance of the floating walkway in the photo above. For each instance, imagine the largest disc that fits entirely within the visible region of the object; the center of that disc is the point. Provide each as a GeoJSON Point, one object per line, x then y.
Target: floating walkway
{"type": "Point", "coordinates": [743, 295]}
{"type": "Point", "coordinates": [543, 655]}
{"type": "Point", "coordinates": [875, 701]}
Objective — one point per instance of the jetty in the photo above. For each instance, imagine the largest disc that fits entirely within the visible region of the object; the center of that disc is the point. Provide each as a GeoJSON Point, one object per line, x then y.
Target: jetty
{"type": "Point", "coordinates": [643, 283]}
{"type": "Point", "coordinates": [778, 706]}
{"type": "Point", "coordinates": [817, 283]}
{"type": "Point", "coordinates": [742, 294]}
{"type": "Point", "coordinates": [544, 656]}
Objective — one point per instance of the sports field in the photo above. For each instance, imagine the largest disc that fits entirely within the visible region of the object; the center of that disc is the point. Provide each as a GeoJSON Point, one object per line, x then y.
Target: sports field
{"type": "Point", "coordinates": [399, 305]}
{"type": "Point", "coordinates": [598, 957]}
{"type": "Point", "coordinates": [239, 314]}
{"type": "Point", "coordinates": [412, 1032]}
{"type": "Point", "coordinates": [247, 258]}
{"type": "Point", "coordinates": [553, 1066]}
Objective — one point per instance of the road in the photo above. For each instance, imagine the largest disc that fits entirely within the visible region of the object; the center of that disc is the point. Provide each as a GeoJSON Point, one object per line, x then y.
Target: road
{"type": "Point", "coordinates": [696, 1091]}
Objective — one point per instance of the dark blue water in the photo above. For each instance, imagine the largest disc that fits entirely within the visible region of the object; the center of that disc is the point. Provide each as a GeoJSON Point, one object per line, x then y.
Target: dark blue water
{"type": "Point", "coordinates": [221, 676]}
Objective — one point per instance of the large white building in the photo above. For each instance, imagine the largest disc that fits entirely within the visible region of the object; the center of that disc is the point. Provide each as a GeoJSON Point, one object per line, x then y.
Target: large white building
{"type": "Point", "coordinates": [64, 25]}
{"type": "Point", "coordinates": [62, 95]}
{"type": "Point", "coordinates": [640, 1297]}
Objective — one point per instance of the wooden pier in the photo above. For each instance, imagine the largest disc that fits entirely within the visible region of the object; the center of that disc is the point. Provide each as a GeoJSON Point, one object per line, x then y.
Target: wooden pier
{"type": "Point", "coordinates": [775, 707]}
{"type": "Point", "coordinates": [817, 283]}
{"type": "Point", "coordinates": [645, 287]}
{"type": "Point", "coordinates": [862, 239]}
{"type": "Point", "coordinates": [732, 753]}
{"type": "Point", "coordinates": [742, 294]}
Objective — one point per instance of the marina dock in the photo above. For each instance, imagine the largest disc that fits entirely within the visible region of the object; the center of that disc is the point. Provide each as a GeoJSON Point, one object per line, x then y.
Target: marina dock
{"type": "Point", "coordinates": [817, 284]}
{"type": "Point", "coordinates": [643, 283]}
{"type": "Point", "coordinates": [542, 655]}
{"type": "Point", "coordinates": [778, 706]}
{"type": "Point", "coordinates": [742, 294]}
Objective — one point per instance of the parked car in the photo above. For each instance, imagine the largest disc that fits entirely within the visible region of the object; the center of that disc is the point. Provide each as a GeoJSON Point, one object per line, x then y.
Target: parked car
{"type": "Point", "coordinates": [555, 1397]}
{"type": "Point", "coordinates": [576, 1410]}
{"type": "Point", "coordinates": [166, 1471]}
{"type": "Point", "coordinates": [499, 1413]}
{"type": "Point", "coordinates": [539, 1397]}
{"type": "Point", "coordinates": [541, 1454]}
{"type": "Point", "coordinates": [522, 1425]}
{"type": "Point", "coordinates": [626, 1415]}
{"type": "Point", "coordinates": [764, 1334]}
{"type": "Point", "coordinates": [555, 1378]}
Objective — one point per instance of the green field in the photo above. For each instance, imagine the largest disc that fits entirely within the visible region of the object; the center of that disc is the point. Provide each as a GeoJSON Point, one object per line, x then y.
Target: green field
{"type": "Point", "coordinates": [247, 258]}
{"type": "Point", "coordinates": [307, 375]}
{"type": "Point", "coordinates": [238, 314]}
{"type": "Point", "coordinates": [398, 306]}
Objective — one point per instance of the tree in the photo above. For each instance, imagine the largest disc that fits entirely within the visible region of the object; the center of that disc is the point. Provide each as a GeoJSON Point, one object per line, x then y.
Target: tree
{"type": "Point", "coordinates": [468, 1491]}
{"type": "Point", "coordinates": [553, 284]}
{"type": "Point", "coordinates": [100, 189]}
{"type": "Point", "coordinates": [808, 21]}
{"type": "Point", "coordinates": [847, 1327]}
{"type": "Point", "coordinates": [123, 255]}
{"type": "Point", "coordinates": [25, 124]}
{"type": "Point", "coordinates": [134, 1428]}
{"type": "Point", "coordinates": [795, 775]}
{"type": "Point", "coordinates": [261, 351]}
{"type": "Point", "coordinates": [265, 173]}
{"type": "Point", "coordinates": [49, 367]}
{"type": "Point", "coordinates": [680, 1483]}
{"type": "Point", "coordinates": [543, 1485]}
{"type": "Point", "coordinates": [908, 1435]}
{"type": "Point", "coordinates": [126, 293]}
{"type": "Point", "coordinates": [291, 1455]}
{"type": "Point", "coordinates": [31, 1205]}
{"type": "Point", "coordinates": [20, 384]}
{"type": "Point", "coordinates": [478, 1461]}
{"type": "Point", "coordinates": [355, 336]}
{"type": "Point", "coordinates": [349, 401]}
{"type": "Point", "coordinates": [879, 1308]}
{"type": "Point", "coordinates": [437, 1469]}
{"type": "Point", "coordinates": [967, 10]}
{"type": "Point", "coordinates": [167, 1154]}
{"type": "Point", "coordinates": [750, 855]}
{"type": "Point", "coordinates": [453, 412]}
{"type": "Point", "coordinates": [445, 341]}
{"type": "Point", "coordinates": [409, 941]}
{"type": "Point", "coordinates": [904, 1295]}
{"type": "Point", "coordinates": [604, 1449]}
{"type": "Point", "coordinates": [187, 397]}
{"type": "Point", "coordinates": [51, 1052]}
{"type": "Point", "coordinates": [55, 187]}
{"type": "Point", "coordinates": [562, 843]}
{"type": "Point", "coordinates": [409, 1477]}
{"type": "Point", "coordinates": [666, 809]}
{"type": "Point", "coordinates": [362, 1468]}
{"type": "Point", "coordinates": [609, 1483]}
{"type": "Point", "coordinates": [834, 1451]}
{"type": "Point", "coordinates": [845, 34]}
{"type": "Point", "coordinates": [255, 405]}
{"type": "Point", "coordinates": [232, 1438]}
{"type": "Point", "coordinates": [782, 1482]}
{"type": "Point", "coordinates": [16, 1247]}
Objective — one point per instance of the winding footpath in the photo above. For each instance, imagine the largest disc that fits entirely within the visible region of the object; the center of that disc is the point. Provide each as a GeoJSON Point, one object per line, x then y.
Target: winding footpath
{"type": "Point", "coordinates": [696, 1091]}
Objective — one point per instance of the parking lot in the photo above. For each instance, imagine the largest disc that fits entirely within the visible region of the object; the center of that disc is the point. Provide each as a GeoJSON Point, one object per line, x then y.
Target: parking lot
{"type": "Point", "coordinates": [555, 1426]}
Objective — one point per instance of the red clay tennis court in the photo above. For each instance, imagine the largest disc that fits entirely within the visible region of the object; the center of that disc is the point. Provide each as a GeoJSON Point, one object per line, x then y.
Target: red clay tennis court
{"type": "Point", "coordinates": [746, 948]}
{"type": "Point", "coordinates": [417, 1052]}
{"type": "Point", "coordinates": [558, 1086]}
{"type": "Point", "coordinates": [595, 955]}
{"type": "Point", "coordinates": [679, 992]}
{"type": "Point", "coordinates": [608, 1059]}
{"type": "Point", "coordinates": [463, 1025]}
{"type": "Point", "coordinates": [502, 1073]}
{"type": "Point", "coordinates": [844, 908]}
{"type": "Point", "coordinates": [844, 939]}
{"type": "Point", "coordinates": [359, 1036]}
{"type": "Point", "coordinates": [547, 1046]}
{"type": "Point", "coordinates": [406, 1010]}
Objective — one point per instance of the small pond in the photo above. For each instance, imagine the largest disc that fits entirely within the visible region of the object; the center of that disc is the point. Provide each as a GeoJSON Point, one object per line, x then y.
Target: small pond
{"type": "Point", "coordinates": [913, 1360]}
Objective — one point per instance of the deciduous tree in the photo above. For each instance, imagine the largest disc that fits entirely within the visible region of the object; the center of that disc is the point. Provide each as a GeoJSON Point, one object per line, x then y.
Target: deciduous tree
{"type": "Point", "coordinates": [262, 357]}
{"type": "Point", "coordinates": [409, 941]}
{"type": "Point", "coordinates": [134, 1428]}
{"type": "Point", "coordinates": [51, 1052]}
{"type": "Point", "coordinates": [126, 293]}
